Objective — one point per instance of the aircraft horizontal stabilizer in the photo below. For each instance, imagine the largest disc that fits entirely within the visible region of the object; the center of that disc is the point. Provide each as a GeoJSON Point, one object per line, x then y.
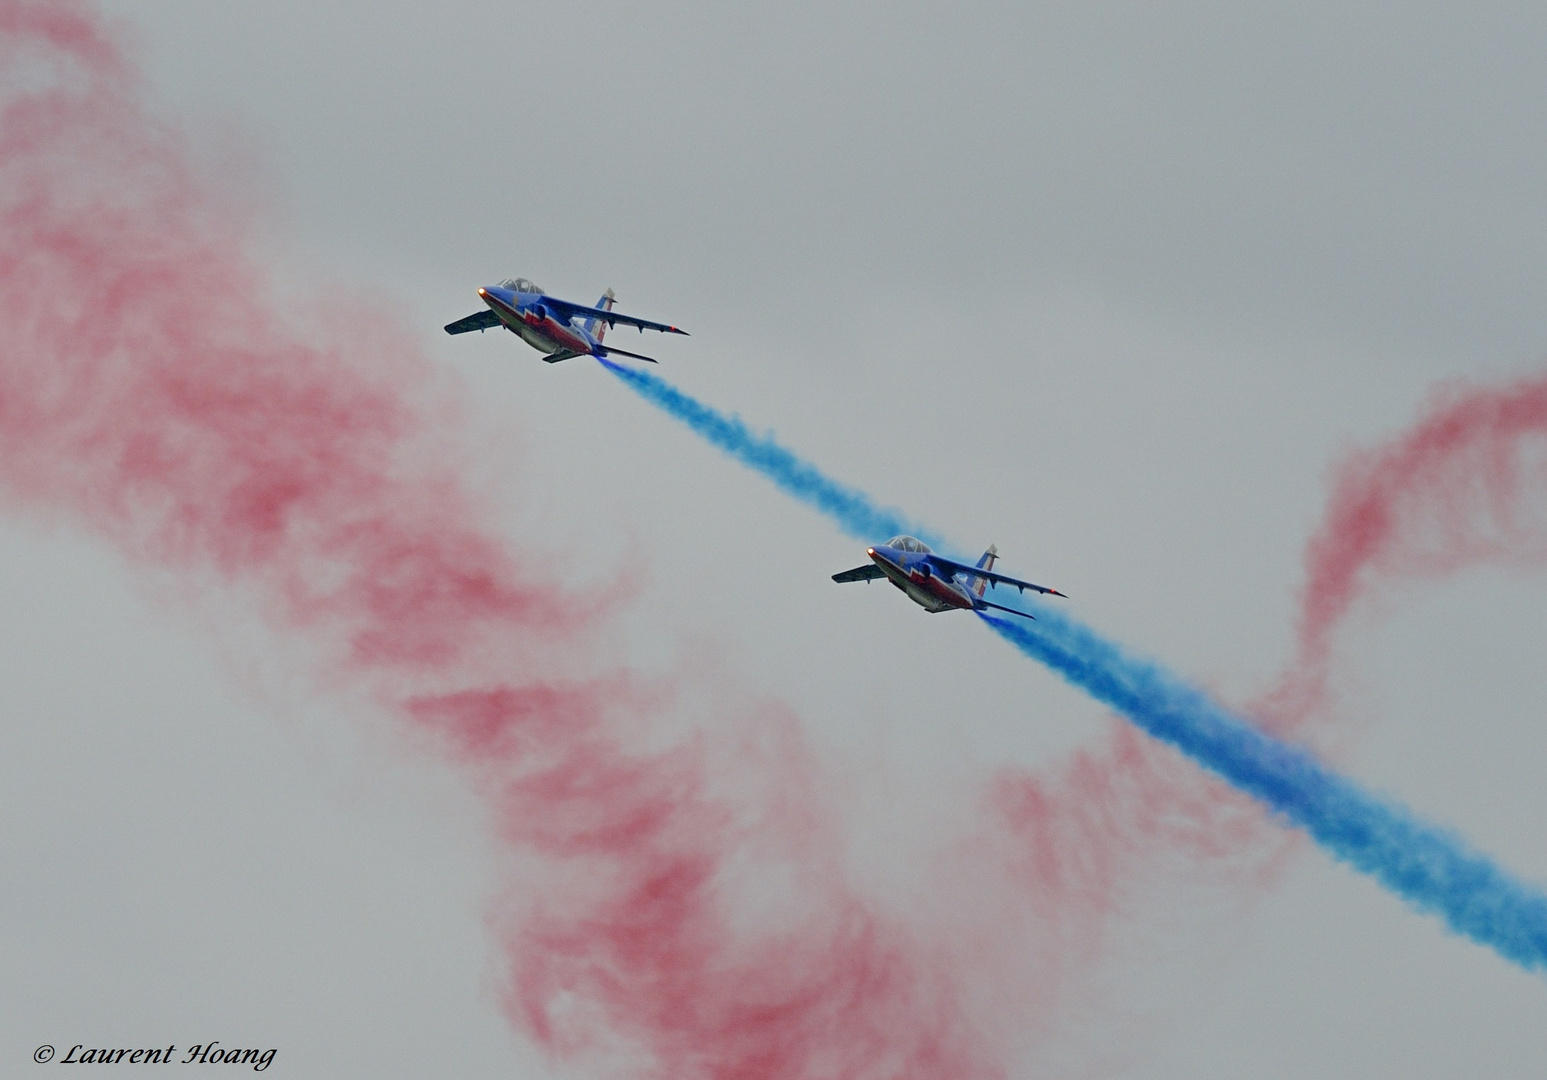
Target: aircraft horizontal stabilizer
{"type": "Point", "coordinates": [608, 350]}
{"type": "Point", "coordinates": [868, 572]}
{"type": "Point", "coordinates": [981, 604]}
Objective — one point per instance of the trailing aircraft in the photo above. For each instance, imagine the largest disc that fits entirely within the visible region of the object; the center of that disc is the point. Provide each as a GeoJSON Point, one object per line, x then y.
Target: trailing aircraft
{"type": "Point", "coordinates": [556, 328]}
{"type": "Point", "coordinates": [936, 583]}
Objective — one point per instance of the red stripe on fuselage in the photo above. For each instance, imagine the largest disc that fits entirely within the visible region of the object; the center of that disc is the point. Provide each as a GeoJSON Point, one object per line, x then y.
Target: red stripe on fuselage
{"type": "Point", "coordinates": [938, 588]}
{"type": "Point", "coordinates": [931, 592]}
{"type": "Point", "coordinates": [561, 334]}
{"type": "Point", "coordinates": [537, 331]}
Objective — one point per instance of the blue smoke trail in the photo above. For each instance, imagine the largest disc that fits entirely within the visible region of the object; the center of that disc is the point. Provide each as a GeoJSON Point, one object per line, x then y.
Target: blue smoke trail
{"type": "Point", "coordinates": [850, 508]}
{"type": "Point", "coordinates": [1433, 870]}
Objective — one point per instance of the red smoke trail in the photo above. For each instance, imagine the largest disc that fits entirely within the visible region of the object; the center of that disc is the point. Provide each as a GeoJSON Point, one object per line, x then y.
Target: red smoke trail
{"type": "Point", "coordinates": [150, 391]}
{"type": "Point", "coordinates": [1465, 485]}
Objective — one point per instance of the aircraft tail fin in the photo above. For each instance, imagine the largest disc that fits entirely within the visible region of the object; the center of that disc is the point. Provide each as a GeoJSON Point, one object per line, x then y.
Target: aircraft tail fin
{"type": "Point", "coordinates": [594, 326]}
{"type": "Point", "coordinates": [985, 563]}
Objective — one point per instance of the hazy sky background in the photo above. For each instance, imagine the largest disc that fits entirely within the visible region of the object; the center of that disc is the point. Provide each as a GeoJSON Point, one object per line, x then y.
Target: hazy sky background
{"type": "Point", "coordinates": [1110, 285]}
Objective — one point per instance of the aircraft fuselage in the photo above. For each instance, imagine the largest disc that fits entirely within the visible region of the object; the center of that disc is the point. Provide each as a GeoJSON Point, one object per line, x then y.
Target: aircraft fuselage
{"type": "Point", "coordinates": [557, 328]}
{"type": "Point", "coordinates": [913, 574]}
{"type": "Point", "coordinates": [935, 582]}
{"type": "Point", "coordinates": [537, 326]}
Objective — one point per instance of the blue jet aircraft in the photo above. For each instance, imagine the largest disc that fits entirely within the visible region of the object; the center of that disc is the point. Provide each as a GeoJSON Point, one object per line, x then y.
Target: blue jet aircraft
{"type": "Point", "coordinates": [935, 583]}
{"type": "Point", "coordinates": [556, 328]}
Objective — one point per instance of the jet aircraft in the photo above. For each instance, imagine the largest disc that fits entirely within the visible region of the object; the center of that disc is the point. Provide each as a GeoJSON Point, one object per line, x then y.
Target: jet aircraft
{"type": "Point", "coordinates": [556, 328]}
{"type": "Point", "coordinates": [936, 583]}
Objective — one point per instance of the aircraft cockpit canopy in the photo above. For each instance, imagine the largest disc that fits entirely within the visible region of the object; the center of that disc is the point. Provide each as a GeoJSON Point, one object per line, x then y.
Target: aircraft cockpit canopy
{"type": "Point", "coordinates": [907, 543]}
{"type": "Point", "coordinates": [521, 284]}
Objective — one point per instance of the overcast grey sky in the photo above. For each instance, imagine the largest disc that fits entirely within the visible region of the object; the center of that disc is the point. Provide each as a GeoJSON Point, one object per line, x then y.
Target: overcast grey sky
{"type": "Point", "coordinates": [1110, 285]}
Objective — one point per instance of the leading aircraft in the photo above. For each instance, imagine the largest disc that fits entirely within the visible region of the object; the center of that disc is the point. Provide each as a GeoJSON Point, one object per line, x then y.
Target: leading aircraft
{"type": "Point", "coordinates": [556, 328]}
{"type": "Point", "coordinates": [936, 583]}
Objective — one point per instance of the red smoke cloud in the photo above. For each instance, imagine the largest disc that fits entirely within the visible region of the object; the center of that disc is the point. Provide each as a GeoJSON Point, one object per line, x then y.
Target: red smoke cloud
{"type": "Point", "coordinates": [151, 391]}
{"type": "Point", "coordinates": [1465, 485]}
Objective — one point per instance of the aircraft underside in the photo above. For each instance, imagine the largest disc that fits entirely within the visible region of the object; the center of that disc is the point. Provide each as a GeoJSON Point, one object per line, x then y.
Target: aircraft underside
{"type": "Point", "coordinates": [930, 593]}
{"type": "Point", "coordinates": [536, 339]}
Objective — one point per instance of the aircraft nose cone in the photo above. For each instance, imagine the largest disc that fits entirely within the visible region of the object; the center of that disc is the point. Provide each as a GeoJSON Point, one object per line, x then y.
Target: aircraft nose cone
{"type": "Point", "coordinates": [493, 293]}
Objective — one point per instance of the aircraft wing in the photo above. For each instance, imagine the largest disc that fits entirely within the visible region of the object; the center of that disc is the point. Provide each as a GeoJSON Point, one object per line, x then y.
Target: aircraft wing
{"type": "Point", "coordinates": [564, 309]}
{"type": "Point", "coordinates": [998, 579]}
{"type": "Point", "coordinates": [483, 320]}
{"type": "Point", "coordinates": [869, 572]}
